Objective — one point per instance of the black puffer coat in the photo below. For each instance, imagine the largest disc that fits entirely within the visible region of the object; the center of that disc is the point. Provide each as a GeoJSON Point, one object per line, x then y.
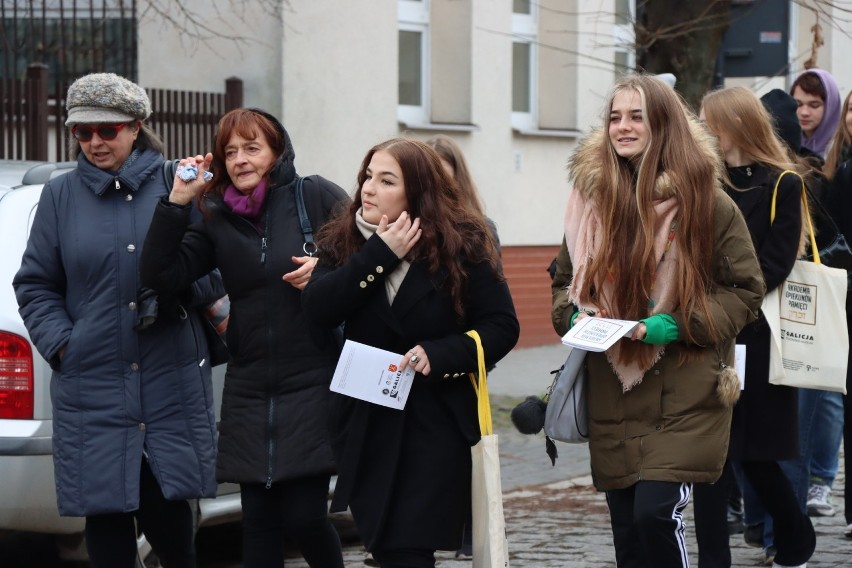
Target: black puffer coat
{"type": "Point", "coordinates": [274, 406]}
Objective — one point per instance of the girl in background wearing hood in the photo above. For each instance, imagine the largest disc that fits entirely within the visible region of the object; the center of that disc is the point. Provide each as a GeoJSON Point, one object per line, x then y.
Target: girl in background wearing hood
{"type": "Point", "coordinates": [664, 246]}
{"type": "Point", "coordinates": [818, 100]}
{"type": "Point", "coordinates": [273, 436]}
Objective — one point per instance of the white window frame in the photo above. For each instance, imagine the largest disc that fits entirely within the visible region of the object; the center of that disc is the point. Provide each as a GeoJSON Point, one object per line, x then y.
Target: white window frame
{"type": "Point", "coordinates": [414, 16]}
{"type": "Point", "coordinates": [625, 38]}
{"type": "Point", "coordinates": [525, 30]}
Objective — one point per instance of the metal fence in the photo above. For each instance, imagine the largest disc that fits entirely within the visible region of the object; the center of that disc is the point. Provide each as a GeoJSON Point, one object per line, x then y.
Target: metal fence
{"type": "Point", "coordinates": [32, 122]}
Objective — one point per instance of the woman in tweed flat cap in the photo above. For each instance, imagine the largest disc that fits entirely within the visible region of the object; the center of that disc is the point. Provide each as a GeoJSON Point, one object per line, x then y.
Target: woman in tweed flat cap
{"type": "Point", "coordinates": [133, 422]}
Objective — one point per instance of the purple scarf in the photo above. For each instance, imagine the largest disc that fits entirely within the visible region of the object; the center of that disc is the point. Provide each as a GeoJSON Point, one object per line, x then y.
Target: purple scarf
{"type": "Point", "coordinates": [248, 205]}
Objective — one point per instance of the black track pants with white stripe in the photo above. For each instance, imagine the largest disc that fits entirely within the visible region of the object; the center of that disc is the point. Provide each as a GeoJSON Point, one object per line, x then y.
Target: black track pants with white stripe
{"type": "Point", "coordinates": [647, 524]}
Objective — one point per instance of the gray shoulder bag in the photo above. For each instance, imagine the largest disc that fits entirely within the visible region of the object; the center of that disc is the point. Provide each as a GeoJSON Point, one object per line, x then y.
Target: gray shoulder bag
{"type": "Point", "coordinates": [566, 419]}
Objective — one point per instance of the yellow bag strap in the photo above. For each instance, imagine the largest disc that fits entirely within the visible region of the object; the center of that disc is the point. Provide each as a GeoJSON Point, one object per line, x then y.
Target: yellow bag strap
{"type": "Point", "coordinates": [814, 249]}
{"type": "Point", "coordinates": [480, 385]}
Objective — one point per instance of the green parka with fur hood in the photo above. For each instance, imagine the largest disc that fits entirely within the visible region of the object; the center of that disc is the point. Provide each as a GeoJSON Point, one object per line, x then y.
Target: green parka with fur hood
{"type": "Point", "coordinates": [672, 426]}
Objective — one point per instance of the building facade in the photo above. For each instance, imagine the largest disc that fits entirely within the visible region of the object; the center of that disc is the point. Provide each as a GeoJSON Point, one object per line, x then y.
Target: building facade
{"type": "Point", "coordinates": [515, 82]}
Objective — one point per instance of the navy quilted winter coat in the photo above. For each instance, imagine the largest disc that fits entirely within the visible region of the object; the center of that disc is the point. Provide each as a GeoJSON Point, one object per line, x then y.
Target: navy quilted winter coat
{"type": "Point", "coordinates": [117, 392]}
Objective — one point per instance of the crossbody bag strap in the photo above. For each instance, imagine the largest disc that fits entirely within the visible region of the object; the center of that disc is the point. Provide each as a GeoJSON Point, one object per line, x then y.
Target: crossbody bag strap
{"type": "Point", "coordinates": [169, 171]}
{"type": "Point", "coordinates": [309, 246]}
{"type": "Point", "coordinates": [804, 204]}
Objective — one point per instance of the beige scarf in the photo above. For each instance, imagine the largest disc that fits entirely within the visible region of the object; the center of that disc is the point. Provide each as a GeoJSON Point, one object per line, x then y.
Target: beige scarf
{"type": "Point", "coordinates": [582, 226]}
{"type": "Point", "coordinates": [393, 280]}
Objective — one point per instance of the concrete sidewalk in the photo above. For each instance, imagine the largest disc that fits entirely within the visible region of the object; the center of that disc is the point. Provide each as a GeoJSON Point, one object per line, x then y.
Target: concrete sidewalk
{"type": "Point", "coordinates": [525, 372]}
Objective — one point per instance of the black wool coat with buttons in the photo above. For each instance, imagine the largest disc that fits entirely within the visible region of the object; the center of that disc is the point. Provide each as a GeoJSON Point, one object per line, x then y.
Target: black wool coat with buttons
{"type": "Point", "coordinates": [275, 402]}
{"type": "Point", "coordinates": [116, 392]}
{"type": "Point", "coordinates": [765, 424]}
{"type": "Point", "coordinates": [405, 474]}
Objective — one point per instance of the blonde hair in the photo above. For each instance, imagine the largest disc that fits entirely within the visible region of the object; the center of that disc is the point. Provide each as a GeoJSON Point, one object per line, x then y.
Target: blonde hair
{"type": "Point", "coordinates": [840, 140]}
{"type": "Point", "coordinates": [679, 161]}
{"type": "Point", "coordinates": [738, 114]}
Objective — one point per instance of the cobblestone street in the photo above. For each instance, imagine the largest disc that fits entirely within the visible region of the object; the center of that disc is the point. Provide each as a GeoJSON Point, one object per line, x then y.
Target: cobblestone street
{"type": "Point", "coordinates": [554, 516]}
{"type": "Point", "coordinates": [564, 523]}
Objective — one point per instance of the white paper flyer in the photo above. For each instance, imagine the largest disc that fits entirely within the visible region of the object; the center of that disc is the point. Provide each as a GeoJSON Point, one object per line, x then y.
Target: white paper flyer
{"type": "Point", "coordinates": [597, 334]}
{"type": "Point", "coordinates": [372, 374]}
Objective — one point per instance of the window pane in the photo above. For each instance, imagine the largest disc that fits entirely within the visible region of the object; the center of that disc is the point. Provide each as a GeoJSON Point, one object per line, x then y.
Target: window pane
{"type": "Point", "coordinates": [521, 6]}
{"type": "Point", "coordinates": [521, 77]}
{"type": "Point", "coordinates": [621, 64]}
{"type": "Point", "coordinates": [622, 12]}
{"type": "Point", "coordinates": [410, 70]}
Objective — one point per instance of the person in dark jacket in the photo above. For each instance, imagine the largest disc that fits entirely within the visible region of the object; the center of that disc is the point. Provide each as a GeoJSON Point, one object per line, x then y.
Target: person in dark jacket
{"type": "Point", "coordinates": [273, 437]}
{"type": "Point", "coordinates": [409, 269]}
{"type": "Point", "coordinates": [452, 158]}
{"type": "Point", "coordinates": [820, 412]}
{"type": "Point", "coordinates": [764, 428]}
{"type": "Point", "coordinates": [133, 423]}
{"type": "Point", "coordinates": [840, 203]}
{"type": "Point", "coordinates": [838, 167]}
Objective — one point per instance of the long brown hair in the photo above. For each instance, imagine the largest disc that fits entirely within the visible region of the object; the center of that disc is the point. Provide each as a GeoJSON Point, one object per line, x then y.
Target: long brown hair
{"type": "Point", "coordinates": [449, 151]}
{"type": "Point", "coordinates": [678, 161]}
{"type": "Point", "coordinates": [452, 232]}
{"type": "Point", "coordinates": [737, 113]}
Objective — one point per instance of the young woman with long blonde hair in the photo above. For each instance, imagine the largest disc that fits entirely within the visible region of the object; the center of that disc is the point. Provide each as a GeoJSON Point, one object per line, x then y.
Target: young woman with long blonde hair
{"type": "Point", "coordinates": [651, 237]}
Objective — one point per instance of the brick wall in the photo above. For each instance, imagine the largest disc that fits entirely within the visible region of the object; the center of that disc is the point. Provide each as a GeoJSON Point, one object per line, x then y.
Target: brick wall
{"type": "Point", "coordinates": [526, 272]}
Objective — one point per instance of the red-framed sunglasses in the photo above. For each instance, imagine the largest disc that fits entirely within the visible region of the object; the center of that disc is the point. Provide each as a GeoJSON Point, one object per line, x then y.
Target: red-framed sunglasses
{"type": "Point", "coordinates": [84, 132]}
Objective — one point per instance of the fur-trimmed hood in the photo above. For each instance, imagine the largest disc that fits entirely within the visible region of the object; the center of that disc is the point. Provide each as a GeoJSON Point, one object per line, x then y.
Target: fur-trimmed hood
{"type": "Point", "coordinates": [585, 164]}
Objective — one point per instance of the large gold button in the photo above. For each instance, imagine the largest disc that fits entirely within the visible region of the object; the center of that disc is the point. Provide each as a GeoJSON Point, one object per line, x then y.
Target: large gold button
{"type": "Point", "coordinates": [370, 278]}
{"type": "Point", "coordinates": [363, 284]}
{"type": "Point", "coordinates": [456, 375]}
{"type": "Point", "coordinates": [379, 270]}
{"type": "Point", "coordinates": [446, 375]}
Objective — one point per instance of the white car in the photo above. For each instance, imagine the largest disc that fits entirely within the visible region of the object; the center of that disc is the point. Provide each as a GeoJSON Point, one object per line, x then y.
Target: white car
{"type": "Point", "coordinates": [27, 492]}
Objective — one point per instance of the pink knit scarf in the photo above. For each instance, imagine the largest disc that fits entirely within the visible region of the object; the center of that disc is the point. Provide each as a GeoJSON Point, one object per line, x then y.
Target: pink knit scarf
{"type": "Point", "coordinates": [582, 227]}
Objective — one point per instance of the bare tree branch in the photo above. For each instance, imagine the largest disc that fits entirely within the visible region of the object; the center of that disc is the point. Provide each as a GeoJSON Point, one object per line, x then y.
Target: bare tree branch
{"type": "Point", "coordinates": [194, 30]}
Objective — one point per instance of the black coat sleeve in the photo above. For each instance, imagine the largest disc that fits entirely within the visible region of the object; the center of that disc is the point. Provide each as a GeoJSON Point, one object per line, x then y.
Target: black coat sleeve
{"type": "Point", "coordinates": [175, 253]}
{"type": "Point", "coordinates": [778, 249]}
{"type": "Point", "coordinates": [839, 199]}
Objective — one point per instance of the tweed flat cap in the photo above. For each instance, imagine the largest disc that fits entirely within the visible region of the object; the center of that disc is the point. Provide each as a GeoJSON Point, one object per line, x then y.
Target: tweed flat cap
{"type": "Point", "coordinates": [105, 97]}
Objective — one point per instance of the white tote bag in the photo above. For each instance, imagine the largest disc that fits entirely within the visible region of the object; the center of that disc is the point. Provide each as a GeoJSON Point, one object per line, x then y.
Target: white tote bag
{"type": "Point", "coordinates": [807, 319]}
{"type": "Point", "coordinates": [490, 547]}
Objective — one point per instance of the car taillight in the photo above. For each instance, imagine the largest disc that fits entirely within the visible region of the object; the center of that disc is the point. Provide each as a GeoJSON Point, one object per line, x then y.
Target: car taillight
{"type": "Point", "coordinates": [16, 376]}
